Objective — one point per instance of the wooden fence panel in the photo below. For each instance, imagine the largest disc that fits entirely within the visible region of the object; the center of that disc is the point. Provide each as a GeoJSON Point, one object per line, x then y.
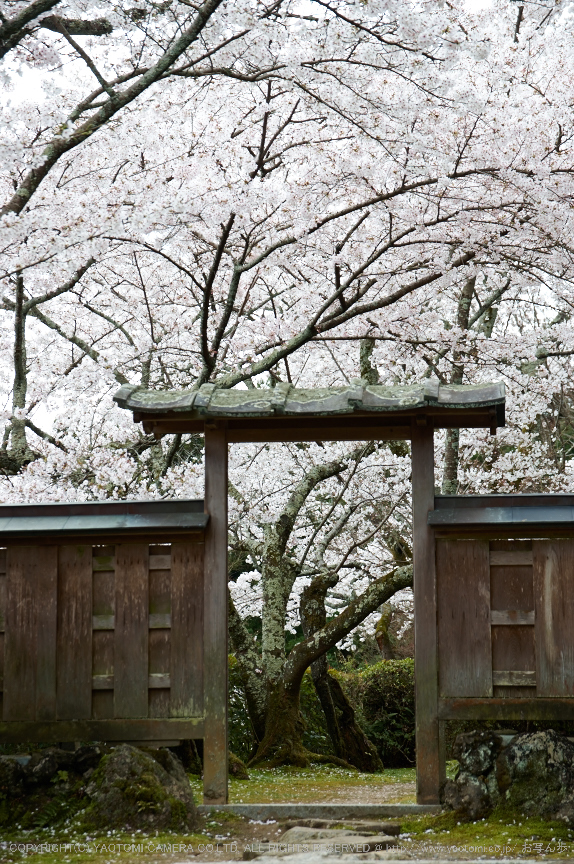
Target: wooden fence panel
{"type": "Point", "coordinates": [29, 677]}
{"type": "Point", "coordinates": [463, 583]}
{"type": "Point", "coordinates": [131, 650]}
{"type": "Point", "coordinates": [98, 634]}
{"type": "Point", "coordinates": [74, 654]}
{"type": "Point", "coordinates": [554, 601]}
{"type": "Point", "coordinates": [186, 670]}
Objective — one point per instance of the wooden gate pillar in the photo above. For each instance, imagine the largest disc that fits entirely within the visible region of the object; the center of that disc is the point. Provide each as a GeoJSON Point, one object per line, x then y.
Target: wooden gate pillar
{"type": "Point", "coordinates": [216, 604]}
{"type": "Point", "coordinates": [429, 761]}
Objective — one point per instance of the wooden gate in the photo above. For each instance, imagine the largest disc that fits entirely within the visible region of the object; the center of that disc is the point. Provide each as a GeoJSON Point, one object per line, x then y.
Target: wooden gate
{"type": "Point", "coordinates": [103, 624]}
{"type": "Point", "coordinates": [511, 627]}
{"type": "Point", "coordinates": [504, 607]}
{"type": "Point", "coordinates": [111, 635]}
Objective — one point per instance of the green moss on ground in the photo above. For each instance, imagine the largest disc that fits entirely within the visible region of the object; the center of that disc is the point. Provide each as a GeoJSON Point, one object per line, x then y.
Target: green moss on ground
{"type": "Point", "coordinates": [504, 834]}
{"type": "Point", "coordinates": [69, 846]}
{"type": "Point", "coordinates": [318, 783]}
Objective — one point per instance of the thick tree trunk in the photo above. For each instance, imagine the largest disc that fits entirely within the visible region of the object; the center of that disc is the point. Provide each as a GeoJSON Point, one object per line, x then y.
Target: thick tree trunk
{"type": "Point", "coordinates": [282, 743]}
{"type": "Point", "coordinates": [451, 453]}
{"type": "Point", "coordinates": [357, 749]}
{"type": "Point", "coordinates": [382, 633]}
{"type": "Point", "coordinates": [349, 741]}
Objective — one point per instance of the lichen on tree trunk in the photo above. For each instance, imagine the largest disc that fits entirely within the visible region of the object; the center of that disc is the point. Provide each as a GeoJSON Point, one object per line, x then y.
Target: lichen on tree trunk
{"type": "Point", "coordinates": [282, 743]}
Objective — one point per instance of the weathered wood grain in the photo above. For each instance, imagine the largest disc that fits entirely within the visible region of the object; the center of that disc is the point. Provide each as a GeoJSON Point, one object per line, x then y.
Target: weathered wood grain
{"type": "Point", "coordinates": [511, 558]}
{"type": "Point", "coordinates": [102, 682]}
{"type": "Point", "coordinates": [30, 674]}
{"type": "Point", "coordinates": [160, 621]}
{"type": "Point", "coordinates": [158, 703]}
{"type": "Point", "coordinates": [554, 604]}
{"type": "Point", "coordinates": [159, 662]}
{"type": "Point", "coordinates": [545, 710]}
{"type": "Point", "coordinates": [160, 562]}
{"type": "Point", "coordinates": [512, 677]}
{"type": "Point", "coordinates": [511, 587]}
{"type": "Point", "coordinates": [513, 647]}
{"type": "Point", "coordinates": [215, 617]}
{"type": "Point", "coordinates": [430, 768]}
{"type": "Point", "coordinates": [103, 593]}
{"type": "Point", "coordinates": [465, 658]}
{"type": "Point", "coordinates": [186, 662]}
{"type": "Point", "coordinates": [104, 563]}
{"type": "Point", "coordinates": [1, 664]}
{"type": "Point", "coordinates": [108, 622]}
{"type": "Point", "coordinates": [103, 652]}
{"type": "Point", "coordinates": [3, 581]}
{"type": "Point", "coordinates": [46, 590]}
{"type": "Point", "coordinates": [156, 681]}
{"type": "Point", "coordinates": [159, 651]}
{"type": "Point", "coordinates": [160, 589]}
{"type": "Point", "coordinates": [103, 622]}
{"type": "Point", "coordinates": [102, 705]}
{"type": "Point", "coordinates": [511, 617]}
{"type": "Point", "coordinates": [74, 642]}
{"type": "Point", "coordinates": [102, 730]}
{"type": "Point", "coordinates": [131, 630]}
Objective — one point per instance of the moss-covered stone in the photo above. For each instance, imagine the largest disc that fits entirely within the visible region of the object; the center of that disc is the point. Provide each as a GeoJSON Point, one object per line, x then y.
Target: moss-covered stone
{"type": "Point", "coordinates": [532, 775]}
{"type": "Point", "coordinates": [135, 789]}
{"type": "Point", "coordinates": [237, 767]}
{"type": "Point", "coordinates": [98, 787]}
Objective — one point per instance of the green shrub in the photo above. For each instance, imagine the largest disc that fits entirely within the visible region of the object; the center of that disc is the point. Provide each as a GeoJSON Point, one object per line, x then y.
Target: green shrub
{"type": "Point", "coordinates": [241, 735]}
{"type": "Point", "coordinates": [315, 738]}
{"type": "Point", "coordinates": [383, 696]}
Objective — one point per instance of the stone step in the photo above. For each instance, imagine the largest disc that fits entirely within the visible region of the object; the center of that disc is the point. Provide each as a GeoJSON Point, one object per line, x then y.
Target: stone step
{"type": "Point", "coordinates": [391, 828]}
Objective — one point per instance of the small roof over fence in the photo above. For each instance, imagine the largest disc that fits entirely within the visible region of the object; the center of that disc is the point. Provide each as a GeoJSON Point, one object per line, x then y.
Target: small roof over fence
{"type": "Point", "coordinates": [101, 519]}
{"type": "Point", "coordinates": [286, 413]}
{"type": "Point", "coordinates": [522, 515]}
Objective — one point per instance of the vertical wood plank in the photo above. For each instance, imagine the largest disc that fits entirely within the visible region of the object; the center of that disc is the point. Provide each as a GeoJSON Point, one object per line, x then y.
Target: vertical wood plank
{"type": "Point", "coordinates": [103, 705]}
{"type": "Point", "coordinates": [30, 637]}
{"type": "Point", "coordinates": [131, 630]}
{"type": "Point", "coordinates": [554, 605]}
{"type": "Point", "coordinates": [3, 581]}
{"type": "Point", "coordinates": [513, 649]}
{"type": "Point", "coordinates": [19, 697]}
{"type": "Point", "coordinates": [186, 667]}
{"type": "Point", "coordinates": [159, 661]}
{"type": "Point", "coordinates": [74, 644]}
{"type": "Point", "coordinates": [465, 654]}
{"type": "Point", "coordinates": [2, 589]}
{"type": "Point", "coordinates": [46, 588]}
{"type": "Point", "coordinates": [215, 621]}
{"type": "Point", "coordinates": [511, 588]}
{"type": "Point", "coordinates": [429, 769]}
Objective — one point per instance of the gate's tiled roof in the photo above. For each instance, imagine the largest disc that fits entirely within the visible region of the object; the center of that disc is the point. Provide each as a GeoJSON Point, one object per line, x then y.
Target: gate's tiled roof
{"type": "Point", "coordinates": [210, 401]}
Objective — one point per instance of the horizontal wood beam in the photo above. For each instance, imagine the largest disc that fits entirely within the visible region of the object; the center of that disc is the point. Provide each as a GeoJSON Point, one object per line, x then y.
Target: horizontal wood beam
{"type": "Point", "coordinates": [512, 617]}
{"type": "Point", "coordinates": [156, 681]}
{"type": "Point", "coordinates": [156, 621]}
{"type": "Point", "coordinates": [511, 558]}
{"type": "Point", "coordinates": [131, 535]}
{"type": "Point", "coordinates": [311, 433]}
{"type": "Point", "coordinates": [102, 730]}
{"type": "Point", "coordinates": [287, 434]}
{"type": "Point", "coordinates": [532, 532]}
{"type": "Point", "coordinates": [507, 708]}
{"type": "Point", "coordinates": [514, 678]}
{"type": "Point", "coordinates": [348, 427]}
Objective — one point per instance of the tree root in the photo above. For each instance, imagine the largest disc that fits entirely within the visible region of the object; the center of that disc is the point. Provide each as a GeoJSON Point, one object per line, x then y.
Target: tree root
{"type": "Point", "coordinates": [299, 757]}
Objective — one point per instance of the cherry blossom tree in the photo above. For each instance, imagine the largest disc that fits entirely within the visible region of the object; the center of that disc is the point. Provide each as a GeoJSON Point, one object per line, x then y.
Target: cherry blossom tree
{"type": "Point", "coordinates": [286, 192]}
